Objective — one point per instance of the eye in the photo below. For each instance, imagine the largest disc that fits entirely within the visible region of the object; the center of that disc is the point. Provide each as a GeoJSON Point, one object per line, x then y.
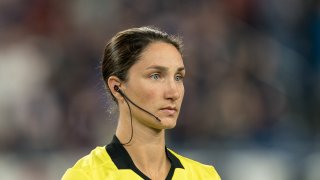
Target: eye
{"type": "Point", "coordinates": [179, 77]}
{"type": "Point", "coordinates": [155, 76]}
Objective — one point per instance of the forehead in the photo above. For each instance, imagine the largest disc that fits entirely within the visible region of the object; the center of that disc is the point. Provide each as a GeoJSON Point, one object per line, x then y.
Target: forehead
{"type": "Point", "coordinates": [160, 53]}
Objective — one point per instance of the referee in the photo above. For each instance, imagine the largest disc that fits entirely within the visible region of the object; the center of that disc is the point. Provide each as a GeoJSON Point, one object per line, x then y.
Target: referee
{"type": "Point", "coordinates": [143, 70]}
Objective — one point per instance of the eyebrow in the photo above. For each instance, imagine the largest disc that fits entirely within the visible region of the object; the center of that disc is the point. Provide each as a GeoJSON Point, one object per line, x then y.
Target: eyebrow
{"type": "Point", "coordinates": [162, 68]}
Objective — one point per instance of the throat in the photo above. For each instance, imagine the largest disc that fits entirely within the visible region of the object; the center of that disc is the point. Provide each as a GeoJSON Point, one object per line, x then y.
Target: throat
{"type": "Point", "coordinates": [155, 170]}
{"type": "Point", "coordinates": [151, 160]}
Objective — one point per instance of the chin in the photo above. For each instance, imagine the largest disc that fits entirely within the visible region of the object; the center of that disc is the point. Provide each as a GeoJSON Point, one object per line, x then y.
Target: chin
{"type": "Point", "coordinates": [170, 127]}
{"type": "Point", "coordinates": [168, 123]}
{"type": "Point", "coordinates": [165, 123]}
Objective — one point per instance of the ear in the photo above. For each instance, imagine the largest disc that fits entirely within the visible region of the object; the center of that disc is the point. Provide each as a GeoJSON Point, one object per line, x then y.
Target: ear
{"type": "Point", "coordinates": [112, 82]}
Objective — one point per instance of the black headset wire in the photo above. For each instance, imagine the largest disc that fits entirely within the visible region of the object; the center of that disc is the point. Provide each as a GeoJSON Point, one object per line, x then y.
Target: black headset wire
{"type": "Point", "coordinates": [130, 121]}
{"type": "Point", "coordinates": [128, 99]}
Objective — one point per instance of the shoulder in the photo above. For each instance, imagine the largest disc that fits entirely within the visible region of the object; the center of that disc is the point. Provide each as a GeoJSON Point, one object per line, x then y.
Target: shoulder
{"type": "Point", "coordinates": [98, 162]}
{"type": "Point", "coordinates": [196, 169]}
{"type": "Point", "coordinates": [97, 158]}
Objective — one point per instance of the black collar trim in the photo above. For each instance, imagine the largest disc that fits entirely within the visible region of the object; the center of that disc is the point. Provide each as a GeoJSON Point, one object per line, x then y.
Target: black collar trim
{"type": "Point", "coordinates": [122, 159]}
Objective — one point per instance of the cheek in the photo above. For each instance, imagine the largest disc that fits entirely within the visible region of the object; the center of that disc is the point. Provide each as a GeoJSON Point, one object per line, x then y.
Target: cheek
{"type": "Point", "coordinates": [182, 93]}
{"type": "Point", "coordinates": [147, 95]}
{"type": "Point", "coordinates": [150, 95]}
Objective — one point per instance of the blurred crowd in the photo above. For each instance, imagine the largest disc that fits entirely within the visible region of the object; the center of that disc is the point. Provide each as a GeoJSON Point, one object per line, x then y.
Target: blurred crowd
{"type": "Point", "coordinates": [253, 80]}
{"type": "Point", "coordinates": [253, 70]}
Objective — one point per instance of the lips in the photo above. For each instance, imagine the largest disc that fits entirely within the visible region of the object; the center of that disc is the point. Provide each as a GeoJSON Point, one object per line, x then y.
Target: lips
{"type": "Point", "coordinates": [169, 110]}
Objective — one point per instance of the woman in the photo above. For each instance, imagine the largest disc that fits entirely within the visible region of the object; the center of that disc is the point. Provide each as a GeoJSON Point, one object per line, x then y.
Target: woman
{"type": "Point", "coordinates": [143, 71]}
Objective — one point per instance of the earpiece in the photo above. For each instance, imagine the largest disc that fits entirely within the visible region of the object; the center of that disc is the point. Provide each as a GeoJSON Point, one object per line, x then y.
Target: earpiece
{"type": "Point", "coordinates": [116, 88]}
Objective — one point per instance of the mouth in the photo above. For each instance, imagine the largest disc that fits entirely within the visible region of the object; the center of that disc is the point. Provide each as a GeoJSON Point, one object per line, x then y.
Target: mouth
{"type": "Point", "coordinates": [169, 110]}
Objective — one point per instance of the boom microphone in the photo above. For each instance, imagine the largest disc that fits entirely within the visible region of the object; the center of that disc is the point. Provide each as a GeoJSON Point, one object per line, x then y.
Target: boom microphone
{"type": "Point", "coordinates": [116, 88]}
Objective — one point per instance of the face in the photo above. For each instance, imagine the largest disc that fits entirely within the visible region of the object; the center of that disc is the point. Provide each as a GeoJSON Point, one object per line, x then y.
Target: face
{"type": "Point", "coordinates": [155, 82]}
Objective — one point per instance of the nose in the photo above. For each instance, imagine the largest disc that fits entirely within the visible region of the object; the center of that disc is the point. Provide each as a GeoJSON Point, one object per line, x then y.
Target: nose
{"type": "Point", "coordinates": [173, 90]}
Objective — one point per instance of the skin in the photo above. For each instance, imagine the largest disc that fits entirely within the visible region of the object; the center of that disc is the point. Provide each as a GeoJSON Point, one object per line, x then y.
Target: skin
{"type": "Point", "coordinates": [155, 82]}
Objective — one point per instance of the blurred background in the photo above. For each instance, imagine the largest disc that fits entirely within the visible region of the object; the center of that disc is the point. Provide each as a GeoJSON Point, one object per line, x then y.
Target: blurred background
{"type": "Point", "coordinates": [252, 102]}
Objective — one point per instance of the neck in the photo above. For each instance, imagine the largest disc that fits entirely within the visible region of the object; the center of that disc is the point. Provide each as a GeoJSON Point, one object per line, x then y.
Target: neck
{"type": "Point", "coordinates": [146, 149]}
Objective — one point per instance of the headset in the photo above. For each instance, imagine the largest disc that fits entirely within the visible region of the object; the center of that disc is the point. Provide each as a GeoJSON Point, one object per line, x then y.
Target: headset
{"type": "Point", "coordinates": [116, 88]}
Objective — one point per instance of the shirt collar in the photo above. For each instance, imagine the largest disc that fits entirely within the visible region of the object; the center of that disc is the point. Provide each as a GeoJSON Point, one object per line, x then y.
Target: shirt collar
{"type": "Point", "coordinates": [122, 159]}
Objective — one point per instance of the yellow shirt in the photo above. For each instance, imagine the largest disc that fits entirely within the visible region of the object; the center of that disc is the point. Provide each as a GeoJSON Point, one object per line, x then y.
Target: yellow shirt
{"type": "Point", "coordinates": [114, 162]}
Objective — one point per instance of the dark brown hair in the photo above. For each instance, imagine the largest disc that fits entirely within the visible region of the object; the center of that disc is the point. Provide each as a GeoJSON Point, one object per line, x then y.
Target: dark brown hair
{"type": "Point", "coordinates": [125, 48]}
